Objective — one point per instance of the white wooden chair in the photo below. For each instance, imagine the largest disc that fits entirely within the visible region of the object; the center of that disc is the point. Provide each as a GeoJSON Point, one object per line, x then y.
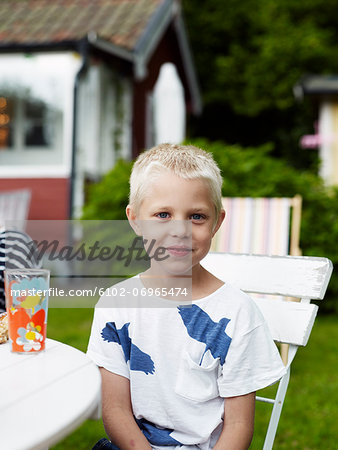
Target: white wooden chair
{"type": "Point", "coordinates": [269, 226]}
{"type": "Point", "coordinates": [14, 207]}
{"type": "Point", "coordinates": [289, 322]}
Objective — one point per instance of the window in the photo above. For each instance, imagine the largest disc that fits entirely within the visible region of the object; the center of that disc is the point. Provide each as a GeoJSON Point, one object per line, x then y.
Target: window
{"type": "Point", "coordinates": [6, 113]}
{"type": "Point", "coordinates": [26, 124]}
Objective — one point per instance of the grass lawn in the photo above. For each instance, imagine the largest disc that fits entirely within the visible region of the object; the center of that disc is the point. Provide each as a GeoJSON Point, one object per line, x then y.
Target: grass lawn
{"type": "Point", "coordinates": [309, 417]}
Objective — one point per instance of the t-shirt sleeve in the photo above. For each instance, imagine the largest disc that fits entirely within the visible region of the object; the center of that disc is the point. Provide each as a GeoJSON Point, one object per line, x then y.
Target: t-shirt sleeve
{"type": "Point", "coordinates": [104, 347]}
{"type": "Point", "coordinates": [253, 361]}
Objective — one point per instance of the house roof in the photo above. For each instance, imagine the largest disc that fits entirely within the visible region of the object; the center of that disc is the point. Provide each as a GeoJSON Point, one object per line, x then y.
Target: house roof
{"type": "Point", "coordinates": [317, 85]}
{"type": "Point", "coordinates": [120, 22]}
{"type": "Point", "coordinates": [129, 29]}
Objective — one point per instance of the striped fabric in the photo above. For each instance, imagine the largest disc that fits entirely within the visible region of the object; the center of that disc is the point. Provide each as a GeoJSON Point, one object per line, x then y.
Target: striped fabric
{"type": "Point", "coordinates": [254, 225]}
{"type": "Point", "coordinates": [15, 253]}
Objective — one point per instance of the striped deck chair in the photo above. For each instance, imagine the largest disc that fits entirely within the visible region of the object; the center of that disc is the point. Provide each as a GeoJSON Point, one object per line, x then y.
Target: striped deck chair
{"type": "Point", "coordinates": [262, 226]}
{"type": "Point", "coordinates": [14, 207]}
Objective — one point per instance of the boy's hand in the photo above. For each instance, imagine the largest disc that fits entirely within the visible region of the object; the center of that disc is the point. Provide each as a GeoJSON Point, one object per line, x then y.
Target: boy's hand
{"type": "Point", "coordinates": [117, 413]}
{"type": "Point", "coordinates": [239, 415]}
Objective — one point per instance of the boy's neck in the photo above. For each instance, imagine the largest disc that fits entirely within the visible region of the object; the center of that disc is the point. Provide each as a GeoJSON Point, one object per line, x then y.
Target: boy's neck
{"type": "Point", "coordinates": [203, 283]}
{"type": "Point", "coordinates": [199, 284]}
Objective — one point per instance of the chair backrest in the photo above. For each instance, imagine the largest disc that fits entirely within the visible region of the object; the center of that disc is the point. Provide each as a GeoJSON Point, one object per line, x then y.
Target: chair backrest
{"type": "Point", "coordinates": [289, 276]}
{"type": "Point", "coordinates": [14, 207]}
{"type": "Point", "coordinates": [268, 226]}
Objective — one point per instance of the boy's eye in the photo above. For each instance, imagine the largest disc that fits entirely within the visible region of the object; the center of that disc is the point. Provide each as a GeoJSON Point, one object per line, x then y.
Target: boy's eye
{"type": "Point", "coordinates": [197, 216]}
{"type": "Point", "coordinates": [163, 215]}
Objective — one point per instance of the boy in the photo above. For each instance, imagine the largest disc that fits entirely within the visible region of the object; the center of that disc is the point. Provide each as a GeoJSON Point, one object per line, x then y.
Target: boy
{"type": "Point", "coordinates": [182, 376]}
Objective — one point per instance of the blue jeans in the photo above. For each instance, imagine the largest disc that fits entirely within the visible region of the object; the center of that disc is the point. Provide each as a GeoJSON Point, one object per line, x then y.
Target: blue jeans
{"type": "Point", "coordinates": [104, 444]}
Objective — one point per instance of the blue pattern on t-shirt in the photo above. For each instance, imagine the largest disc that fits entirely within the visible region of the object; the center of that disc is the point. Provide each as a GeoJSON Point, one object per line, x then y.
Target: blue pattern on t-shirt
{"type": "Point", "coordinates": [201, 327]}
{"type": "Point", "coordinates": [156, 436]}
{"type": "Point", "coordinates": [139, 360]}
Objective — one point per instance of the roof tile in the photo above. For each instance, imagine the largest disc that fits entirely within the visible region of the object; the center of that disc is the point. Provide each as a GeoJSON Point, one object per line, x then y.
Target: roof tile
{"type": "Point", "coordinates": [44, 21]}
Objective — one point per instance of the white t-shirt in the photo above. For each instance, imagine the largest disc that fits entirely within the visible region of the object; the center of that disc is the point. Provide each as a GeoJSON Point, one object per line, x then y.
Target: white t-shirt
{"type": "Point", "coordinates": [183, 360]}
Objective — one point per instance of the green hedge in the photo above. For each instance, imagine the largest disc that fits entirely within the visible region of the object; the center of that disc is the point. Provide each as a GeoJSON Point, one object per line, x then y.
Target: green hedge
{"type": "Point", "coordinates": [107, 200]}
{"type": "Point", "coordinates": [247, 172]}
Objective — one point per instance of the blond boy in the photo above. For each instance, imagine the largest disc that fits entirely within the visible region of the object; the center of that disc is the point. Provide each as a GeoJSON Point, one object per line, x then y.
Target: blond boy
{"type": "Point", "coordinates": [182, 375]}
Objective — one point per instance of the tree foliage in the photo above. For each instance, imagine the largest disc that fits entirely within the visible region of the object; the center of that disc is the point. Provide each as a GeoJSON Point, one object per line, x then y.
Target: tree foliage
{"type": "Point", "coordinates": [249, 55]}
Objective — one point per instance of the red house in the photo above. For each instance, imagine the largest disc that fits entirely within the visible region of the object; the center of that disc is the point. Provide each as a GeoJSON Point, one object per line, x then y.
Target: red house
{"type": "Point", "coordinates": [83, 83]}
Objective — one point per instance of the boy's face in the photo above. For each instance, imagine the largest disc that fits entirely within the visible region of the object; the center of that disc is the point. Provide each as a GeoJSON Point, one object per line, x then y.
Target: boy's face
{"type": "Point", "coordinates": [180, 215]}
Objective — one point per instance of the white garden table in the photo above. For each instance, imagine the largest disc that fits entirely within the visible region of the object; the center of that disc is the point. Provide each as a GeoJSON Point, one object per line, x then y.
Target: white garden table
{"type": "Point", "coordinates": [43, 397]}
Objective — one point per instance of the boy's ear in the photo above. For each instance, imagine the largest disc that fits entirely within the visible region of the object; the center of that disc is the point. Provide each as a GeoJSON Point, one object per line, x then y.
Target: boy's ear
{"type": "Point", "coordinates": [221, 217]}
{"type": "Point", "coordinates": [131, 215]}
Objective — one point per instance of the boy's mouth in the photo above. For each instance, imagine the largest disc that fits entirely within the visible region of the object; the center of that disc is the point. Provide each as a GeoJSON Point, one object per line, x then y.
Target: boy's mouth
{"type": "Point", "coordinates": [179, 250]}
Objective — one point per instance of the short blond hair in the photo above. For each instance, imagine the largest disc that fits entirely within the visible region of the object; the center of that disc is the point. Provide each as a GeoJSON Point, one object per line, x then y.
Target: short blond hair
{"type": "Point", "coordinates": [185, 161]}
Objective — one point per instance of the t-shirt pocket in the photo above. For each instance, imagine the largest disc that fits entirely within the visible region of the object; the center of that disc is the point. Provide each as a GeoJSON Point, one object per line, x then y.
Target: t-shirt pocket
{"type": "Point", "coordinates": [195, 382]}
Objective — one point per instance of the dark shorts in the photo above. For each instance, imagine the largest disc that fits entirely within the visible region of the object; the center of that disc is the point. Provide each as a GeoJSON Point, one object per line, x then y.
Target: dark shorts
{"type": "Point", "coordinates": [104, 444]}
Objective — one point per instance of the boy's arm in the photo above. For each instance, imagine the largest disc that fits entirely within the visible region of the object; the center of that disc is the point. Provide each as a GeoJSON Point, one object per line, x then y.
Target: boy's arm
{"type": "Point", "coordinates": [117, 413]}
{"type": "Point", "coordinates": [239, 414]}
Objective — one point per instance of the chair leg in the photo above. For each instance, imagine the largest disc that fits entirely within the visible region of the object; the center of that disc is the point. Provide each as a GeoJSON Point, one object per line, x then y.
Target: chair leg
{"type": "Point", "coordinates": [284, 348]}
{"type": "Point", "coordinates": [276, 411]}
{"type": "Point", "coordinates": [284, 353]}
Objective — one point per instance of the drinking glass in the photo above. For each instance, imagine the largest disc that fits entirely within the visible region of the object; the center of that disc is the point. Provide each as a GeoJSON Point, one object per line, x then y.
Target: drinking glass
{"type": "Point", "coordinates": [26, 293]}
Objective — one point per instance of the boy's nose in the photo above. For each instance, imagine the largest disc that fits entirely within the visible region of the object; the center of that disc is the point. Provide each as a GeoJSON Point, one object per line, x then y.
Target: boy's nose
{"type": "Point", "coordinates": [180, 228]}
